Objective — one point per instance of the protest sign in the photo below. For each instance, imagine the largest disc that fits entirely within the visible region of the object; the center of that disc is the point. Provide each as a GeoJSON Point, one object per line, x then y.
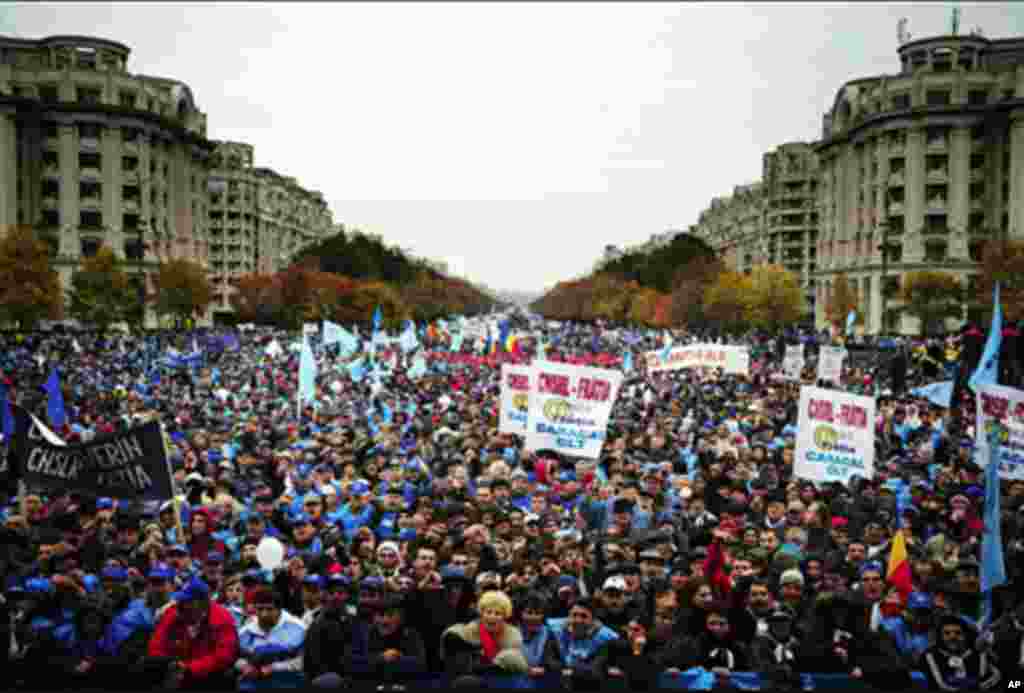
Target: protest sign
{"type": "Point", "coordinates": [732, 359]}
{"type": "Point", "coordinates": [1001, 411]}
{"type": "Point", "coordinates": [128, 465]}
{"type": "Point", "coordinates": [515, 399]}
{"type": "Point", "coordinates": [830, 364]}
{"type": "Point", "coordinates": [835, 436]}
{"type": "Point", "coordinates": [569, 408]}
{"type": "Point", "coordinates": [793, 362]}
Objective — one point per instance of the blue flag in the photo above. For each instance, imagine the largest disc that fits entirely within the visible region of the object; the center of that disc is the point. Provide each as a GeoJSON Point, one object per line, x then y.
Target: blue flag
{"type": "Point", "coordinates": [940, 393]}
{"type": "Point", "coordinates": [987, 372]}
{"type": "Point", "coordinates": [993, 568]}
{"type": "Point", "coordinates": [55, 400]}
{"type": "Point", "coordinates": [6, 417]}
{"type": "Point", "coordinates": [851, 318]}
{"type": "Point", "coordinates": [627, 362]}
{"type": "Point", "coordinates": [378, 319]}
{"type": "Point", "coordinates": [307, 373]}
{"type": "Point", "coordinates": [215, 375]}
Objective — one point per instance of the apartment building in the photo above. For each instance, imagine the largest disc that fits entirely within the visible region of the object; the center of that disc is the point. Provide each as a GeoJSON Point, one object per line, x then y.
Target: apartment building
{"type": "Point", "coordinates": [258, 220]}
{"type": "Point", "coordinates": [928, 163]}
{"type": "Point", "coordinates": [91, 154]}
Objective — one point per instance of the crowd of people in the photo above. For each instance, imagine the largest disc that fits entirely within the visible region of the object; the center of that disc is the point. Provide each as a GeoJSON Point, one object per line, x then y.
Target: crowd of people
{"type": "Point", "coordinates": [419, 540]}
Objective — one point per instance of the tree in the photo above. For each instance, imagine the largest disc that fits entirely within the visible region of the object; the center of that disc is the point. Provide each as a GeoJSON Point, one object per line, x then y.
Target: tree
{"type": "Point", "coordinates": [725, 301]}
{"type": "Point", "coordinates": [257, 299]}
{"type": "Point", "coordinates": [689, 288]}
{"type": "Point", "coordinates": [841, 300]}
{"type": "Point", "coordinates": [30, 289]}
{"type": "Point", "coordinates": [1001, 261]}
{"type": "Point", "coordinates": [932, 297]}
{"type": "Point", "coordinates": [775, 297]}
{"type": "Point", "coordinates": [101, 292]}
{"type": "Point", "coordinates": [182, 289]}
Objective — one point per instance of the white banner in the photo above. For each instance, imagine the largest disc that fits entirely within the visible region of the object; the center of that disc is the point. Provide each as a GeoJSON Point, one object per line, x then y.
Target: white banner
{"type": "Point", "coordinates": [830, 364]}
{"type": "Point", "coordinates": [835, 436]}
{"type": "Point", "coordinates": [793, 362]}
{"type": "Point", "coordinates": [569, 408]}
{"type": "Point", "coordinates": [733, 359]}
{"type": "Point", "coordinates": [515, 398]}
{"type": "Point", "coordinates": [1001, 412]}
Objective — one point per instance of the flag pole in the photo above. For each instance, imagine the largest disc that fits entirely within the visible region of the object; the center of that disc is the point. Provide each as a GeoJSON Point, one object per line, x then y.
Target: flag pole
{"type": "Point", "coordinates": [175, 501]}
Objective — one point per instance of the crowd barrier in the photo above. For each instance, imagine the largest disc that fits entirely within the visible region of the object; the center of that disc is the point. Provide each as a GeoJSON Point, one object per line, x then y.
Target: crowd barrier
{"type": "Point", "coordinates": [693, 679]}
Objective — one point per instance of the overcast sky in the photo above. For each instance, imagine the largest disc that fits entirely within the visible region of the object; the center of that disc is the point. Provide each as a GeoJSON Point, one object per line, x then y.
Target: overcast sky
{"type": "Point", "coordinates": [513, 140]}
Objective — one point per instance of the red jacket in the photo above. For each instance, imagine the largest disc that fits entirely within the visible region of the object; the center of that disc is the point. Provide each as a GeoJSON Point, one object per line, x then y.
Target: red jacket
{"type": "Point", "coordinates": [214, 651]}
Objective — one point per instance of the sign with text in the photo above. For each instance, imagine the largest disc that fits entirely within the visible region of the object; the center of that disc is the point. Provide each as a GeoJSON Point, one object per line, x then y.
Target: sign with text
{"type": "Point", "coordinates": [733, 360]}
{"type": "Point", "coordinates": [1001, 413]}
{"type": "Point", "coordinates": [569, 408]}
{"type": "Point", "coordinates": [793, 362]}
{"type": "Point", "coordinates": [515, 399]}
{"type": "Point", "coordinates": [830, 364]}
{"type": "Point", "coordinates": [835, 437]}
{"type": "Point", "coordinates": [129, 465]}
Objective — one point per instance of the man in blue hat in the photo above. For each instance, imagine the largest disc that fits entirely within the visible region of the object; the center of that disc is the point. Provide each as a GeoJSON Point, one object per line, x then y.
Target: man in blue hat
{"type": "Point", "coordinates": [196, 640]}
{"type": "Point", "coordinates": [127, 636]}
{"type": "Point", "coordinates": [329, 639]}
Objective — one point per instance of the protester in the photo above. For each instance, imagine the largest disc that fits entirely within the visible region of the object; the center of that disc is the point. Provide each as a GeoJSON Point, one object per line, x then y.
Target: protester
{"type": "Point", "coordinates": [415, 534]}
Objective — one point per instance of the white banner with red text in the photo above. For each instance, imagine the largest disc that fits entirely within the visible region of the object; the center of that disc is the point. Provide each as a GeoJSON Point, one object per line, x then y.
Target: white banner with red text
{"type": "Point", "coordinates": [515, 398]}
{"type": "Point", "coordinates": [1001, 414]}
{"type": "Point", "coordinates": [734, 360]}
{"type": "Point", "coordinates": [835, 437]}
{"type": "Point", "coordinates": [569, 408]}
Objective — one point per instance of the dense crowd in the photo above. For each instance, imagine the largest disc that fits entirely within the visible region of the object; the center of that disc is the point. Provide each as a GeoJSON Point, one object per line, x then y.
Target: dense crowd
{"type": "Point", "coordinates": [417, 538]}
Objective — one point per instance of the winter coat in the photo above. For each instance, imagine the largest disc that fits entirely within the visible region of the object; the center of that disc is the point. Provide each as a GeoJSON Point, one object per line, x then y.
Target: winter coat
{"type": "Point", "coordinates": [211, 653]}
{"type": "Point", "coordinates": [462, 652]}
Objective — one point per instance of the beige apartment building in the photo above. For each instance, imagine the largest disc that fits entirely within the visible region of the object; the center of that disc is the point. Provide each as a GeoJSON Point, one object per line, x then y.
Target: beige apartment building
{"type": "Point", "coordinates": [258, 220]}
{"type": "Point", "coordinates": [928, 162]}
{"type": "Point", "coordinates": [91, 154]}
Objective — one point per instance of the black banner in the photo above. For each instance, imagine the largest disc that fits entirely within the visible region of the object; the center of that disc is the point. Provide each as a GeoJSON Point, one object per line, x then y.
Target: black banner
{"type": "Point", "coordinates": [129, 465]}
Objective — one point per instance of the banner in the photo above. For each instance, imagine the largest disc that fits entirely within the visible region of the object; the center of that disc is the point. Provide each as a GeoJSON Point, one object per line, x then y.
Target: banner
{"type": "Point", "coordinates": [835, 436]}
{"type": "Point", "coordinates": [1001, 410]}
{"type": "Point", "coordinates": [793, 362]}
{"type": "Point", "coordinates": [830, 364]}
{"type": "Point", "coordinates": [569, 408]}
{"type": "Point", "coordinates": [129, 465]}
{"type": "Point", "coordinates": [515, 399]}
{"type": "Point", "coordinates": [734, 360]}
{"type": "Point", "coordinates": [310, 328]}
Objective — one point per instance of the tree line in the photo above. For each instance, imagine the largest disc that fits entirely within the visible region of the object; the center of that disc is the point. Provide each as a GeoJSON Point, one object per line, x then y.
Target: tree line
{"type": "Point", "coordinates": [342, 278]}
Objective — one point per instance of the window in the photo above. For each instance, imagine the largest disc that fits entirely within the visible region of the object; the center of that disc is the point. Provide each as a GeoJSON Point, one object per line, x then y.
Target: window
{"type": "Point", "coordinates": [942, 64]}
{"type": "Point", "coordinates": [90, 160]}
{"type": "Point", "coordinates": [977, 191]}
{"type": "Point", "coordinates": [976, 222]}
{"type": "Point", "coordinates": [89, 190]}
{"type": "Point", "coordinates": [51, 159]}
{"type": "Point", "coordinates": [51, 188]}
{"type": "Point", "coordinates": [975, 250]}
{"type": "Point", "coordinates": [86, 58]}
{"type": "Point", "coordinates": [131, 192]}
{"type": "Point", "coordinates": [130, 222]}
{"type": "Point", "coordinates": [128, 99]}
{"type": "Point", "coordinates": [51, 218]}
{"type": "Point", "coordinates": [48, 93]}
{"type": "Point", "coordinates": [1008, 94]}
{"type": "Point", "coordinates": [90, 246]}
{"type": "Point", "coordinates": [50, 130]}
{"type": "Point", "coordinates": [977, 162]}
{"type": "Point", "coordinates": [937, 97]}
{"type": "Point", "coordinates": [130, 135]}
{"type": "Point", "coordinates": [90, 96]}
{"type": "Point", "coordinates": [935, 224]}
{"type": "Point", "coordinates": [133, 249]}
{"type": "Point", "coordinates": [129, 164]}
{"type": "Point", "coordinates": [90, 220]}
{"type": "Point", "coordinates": [977, 97]}
{"type": "Point", "coordinates": [935, 252]}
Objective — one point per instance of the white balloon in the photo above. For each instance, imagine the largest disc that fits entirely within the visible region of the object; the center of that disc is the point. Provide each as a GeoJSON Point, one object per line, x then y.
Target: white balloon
{"type": "Point", "coordinates": [270, 553]}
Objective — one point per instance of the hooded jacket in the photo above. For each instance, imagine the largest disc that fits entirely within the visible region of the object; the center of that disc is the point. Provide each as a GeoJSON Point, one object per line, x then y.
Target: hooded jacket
{"type": "Point", "coordinates": [212, 652]}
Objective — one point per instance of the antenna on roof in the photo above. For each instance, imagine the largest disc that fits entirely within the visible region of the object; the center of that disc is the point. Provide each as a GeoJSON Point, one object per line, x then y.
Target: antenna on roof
{"type": "Point", "coordinates": [956, 21]}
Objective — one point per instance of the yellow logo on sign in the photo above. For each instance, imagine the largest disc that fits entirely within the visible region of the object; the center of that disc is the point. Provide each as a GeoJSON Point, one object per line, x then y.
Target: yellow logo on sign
{"type": "Point", "coordinates": [557, 409]}
{"type": "Point", "coordinates": [826, 437]}
{"type": "Point", "coordinates": [521, 402]}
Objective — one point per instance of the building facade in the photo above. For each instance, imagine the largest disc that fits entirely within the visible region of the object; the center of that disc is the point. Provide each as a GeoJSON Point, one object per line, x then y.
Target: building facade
{"type": "Point", "coordinates": [93, 155]}
{"type": "Point", "coordinates": [258, 220]}
{"type": "Point", "coordinates": [920, 168]}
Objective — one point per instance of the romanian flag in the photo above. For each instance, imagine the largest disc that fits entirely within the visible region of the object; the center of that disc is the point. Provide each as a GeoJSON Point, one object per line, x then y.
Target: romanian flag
{"type": "Point", "coordinates": [510, 344]}
{"type": "Point", "coordinates": [898, 573]}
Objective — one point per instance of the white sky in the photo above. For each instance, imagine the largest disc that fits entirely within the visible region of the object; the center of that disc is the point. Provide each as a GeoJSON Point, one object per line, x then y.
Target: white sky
{"type": "Point", "coordinates": [513, 140]}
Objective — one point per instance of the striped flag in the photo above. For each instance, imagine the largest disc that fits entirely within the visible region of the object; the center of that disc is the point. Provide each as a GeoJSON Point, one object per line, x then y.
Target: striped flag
{"type": "Point", "coordinates": [898, 573]}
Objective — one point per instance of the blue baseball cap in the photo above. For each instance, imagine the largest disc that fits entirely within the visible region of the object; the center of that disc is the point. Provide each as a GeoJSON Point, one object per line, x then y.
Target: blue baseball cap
{"type": "Point", "coordinates": [178, 548]}
{"type": "Point", "coordinates": [160, 571]}
{"type": "Point", "coordinates": [115, 574]}
{"type": "Point", "coordinates": [300, 519]}
{"type": "Point", "coordinates": [373, 582]}
{"type": "Point", "coordinates": [919, 600]}
{"type": "Point", "coordinates": [359, 488]}
{"type": "Point", "coordinates": [39, 586]}
{"type": "Point", "coordinates": [407, 534]}
{"type": "Point", "coordinates": [339, 580]}
{"type": "Point", "coordinates": [314, 580]}
{"type": "Point", "coordinates": [194, 590]}
{"type": "Point", "coordinates": [105, 504]}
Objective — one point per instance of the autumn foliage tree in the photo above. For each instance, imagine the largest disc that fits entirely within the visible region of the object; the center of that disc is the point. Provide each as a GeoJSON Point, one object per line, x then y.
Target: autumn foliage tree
{"type": "Point", "coordinates": [30, 288]}
{"type": "Point", "coordinates": [841, 300]}
{"type": "Point", "coordinates": [725, 301]}
{"type": "Point", "coordinates": [932, 297]}
{"type": "Point", "coordinates": [1001, 261]}
{"type": "Point", "coordinates": [182, 289]}
{"type": "Point", "coordinates": [689, 288]}
{"type": "Point", "coordinates": [101, 293]}
{"type": "Point", "coordinates": [776, 298]}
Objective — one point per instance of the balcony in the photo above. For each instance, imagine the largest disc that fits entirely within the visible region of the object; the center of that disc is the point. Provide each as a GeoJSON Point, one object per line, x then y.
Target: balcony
{"type": "Point", "coordinates": [937, 145]}
{"type": "Point", "coordinates": [937, 205]}
{"type": "Point", "coordinates": [938, 175]}
{"type": "Point", "coordinates": [52, 171]}
{"type": "Point", "coordinates": [897, 149]}
{"type": "Point", "coordinates": [978, 203]}
{"type": "Point", "coordinates": [896, 178]}
{"type": "Point", "coordinates": [130, 206]}
{"type": "Point", "coordinates": [895, 209]}
{"type": "Point", "coordinates": [89, 144]}
{"type": "Point", "coordinates": [93, 203]}
{"type": "Point", "coordinates": [130, 146]}
{"type": "Point", "coordinates": [130, 177]}
{"type": "Point", "coordinates": [90, 173]}
{"type": "Point", "coordinates": [51, 203]}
